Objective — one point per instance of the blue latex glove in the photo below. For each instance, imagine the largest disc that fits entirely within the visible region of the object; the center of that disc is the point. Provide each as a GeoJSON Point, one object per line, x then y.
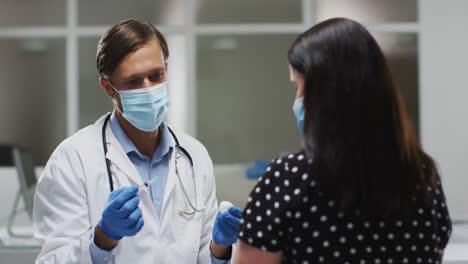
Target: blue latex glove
{"type": "Point", "coordinates": [122, 216]}
{"type": "Point", "coordinates": [227, 226]}
{"type": "Point", "coordinates": [256, 169]}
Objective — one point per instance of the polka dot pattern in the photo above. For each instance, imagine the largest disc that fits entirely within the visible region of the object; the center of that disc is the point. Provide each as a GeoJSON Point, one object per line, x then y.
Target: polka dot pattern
{"type": "Point", "coordinates": [288, 212]}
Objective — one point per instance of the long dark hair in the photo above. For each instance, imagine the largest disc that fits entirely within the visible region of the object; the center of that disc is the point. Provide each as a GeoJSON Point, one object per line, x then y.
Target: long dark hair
{"type": "Point", "coordinates": [356, 127]}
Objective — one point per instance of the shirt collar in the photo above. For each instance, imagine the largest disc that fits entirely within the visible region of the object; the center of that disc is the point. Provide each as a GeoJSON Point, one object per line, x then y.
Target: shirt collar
{"type": "Point", "coordinates": [165, 145]}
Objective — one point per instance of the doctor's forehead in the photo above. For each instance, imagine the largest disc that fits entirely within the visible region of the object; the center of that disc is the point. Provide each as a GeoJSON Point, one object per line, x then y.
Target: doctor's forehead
{"type": "Point", "coordinates": [145, 59]}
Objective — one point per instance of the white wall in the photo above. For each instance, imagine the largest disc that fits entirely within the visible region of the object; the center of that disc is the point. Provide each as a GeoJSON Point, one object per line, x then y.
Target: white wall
{"type": "Point", "coordinates": [444, 94]}
{"type": "Point", "coordinates": [32, 102]}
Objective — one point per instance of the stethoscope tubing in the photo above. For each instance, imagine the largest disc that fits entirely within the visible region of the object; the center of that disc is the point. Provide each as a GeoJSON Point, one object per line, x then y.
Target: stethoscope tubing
{"type": "Point", "coordinates": [178, 148]}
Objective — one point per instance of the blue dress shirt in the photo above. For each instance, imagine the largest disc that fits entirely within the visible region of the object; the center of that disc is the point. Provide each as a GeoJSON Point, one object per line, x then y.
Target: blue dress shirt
{"type": "Point", "coordinates": [157, 167]}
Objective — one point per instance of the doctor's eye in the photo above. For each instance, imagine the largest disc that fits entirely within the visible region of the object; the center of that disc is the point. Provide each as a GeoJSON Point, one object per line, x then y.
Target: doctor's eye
{"type": "Point", "coordinates": [157, 76]}
{"type": "Point", "coordinates": [132, 83]}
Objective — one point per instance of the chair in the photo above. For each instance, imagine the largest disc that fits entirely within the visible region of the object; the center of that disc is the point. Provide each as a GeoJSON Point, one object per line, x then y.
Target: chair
{"type": "Point", "coordinates": [21, 159]}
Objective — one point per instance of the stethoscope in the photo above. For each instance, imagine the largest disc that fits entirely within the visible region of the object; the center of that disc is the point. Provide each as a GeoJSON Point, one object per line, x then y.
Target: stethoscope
{"type": "Point", "coordinates": [179, 151]}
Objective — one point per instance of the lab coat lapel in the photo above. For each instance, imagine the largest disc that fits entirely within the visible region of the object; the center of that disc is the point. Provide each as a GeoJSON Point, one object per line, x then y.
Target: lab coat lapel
{"type": "Point", "coordinates": [119, 158]}
{"type": "Point", "coordinates": [171, 182]}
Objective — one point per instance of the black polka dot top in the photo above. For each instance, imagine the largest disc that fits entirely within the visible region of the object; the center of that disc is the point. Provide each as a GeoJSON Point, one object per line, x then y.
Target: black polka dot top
{"type": "Point", "coordinates": [287, 212]}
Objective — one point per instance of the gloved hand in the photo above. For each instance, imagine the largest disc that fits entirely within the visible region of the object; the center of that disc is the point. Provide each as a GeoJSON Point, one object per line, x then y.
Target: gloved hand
{"type": "Point", "coordinates": [227, 226]}
{"type": "Point", "coordinates": [122, 216]}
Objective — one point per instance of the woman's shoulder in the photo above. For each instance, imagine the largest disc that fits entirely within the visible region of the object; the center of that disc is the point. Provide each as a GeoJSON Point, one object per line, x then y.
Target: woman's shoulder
{"type": "Point", "coordinates": [276, 195]}
{"type": "Point", "coordinates": [287, 176]}
{"type": "Point", "coordinates": [290, 163]}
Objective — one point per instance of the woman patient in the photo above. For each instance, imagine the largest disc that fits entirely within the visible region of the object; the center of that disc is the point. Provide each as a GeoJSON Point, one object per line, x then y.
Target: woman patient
{"type": "Point", "coordinates": [362, 190]}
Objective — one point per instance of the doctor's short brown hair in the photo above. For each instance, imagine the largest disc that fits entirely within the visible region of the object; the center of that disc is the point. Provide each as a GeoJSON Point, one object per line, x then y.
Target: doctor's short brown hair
{"type": "Point", "coordinates": [124, 38]}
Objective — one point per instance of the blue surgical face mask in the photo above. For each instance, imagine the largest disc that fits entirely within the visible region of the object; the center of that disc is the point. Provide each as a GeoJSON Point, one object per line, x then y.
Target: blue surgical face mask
{"type": "Point", "coordinates": [145, 108]}
{"type": "Point", "coordinates": [298, 109]}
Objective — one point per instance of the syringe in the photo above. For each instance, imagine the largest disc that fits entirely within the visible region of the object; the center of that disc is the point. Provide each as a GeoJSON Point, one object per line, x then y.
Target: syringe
{"type": "Point", "coordinates": [147, 183]}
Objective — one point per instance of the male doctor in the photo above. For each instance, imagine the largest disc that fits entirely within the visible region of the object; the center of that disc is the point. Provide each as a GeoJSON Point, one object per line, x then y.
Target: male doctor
{"type": "Point", "coordinates": [125, 189]}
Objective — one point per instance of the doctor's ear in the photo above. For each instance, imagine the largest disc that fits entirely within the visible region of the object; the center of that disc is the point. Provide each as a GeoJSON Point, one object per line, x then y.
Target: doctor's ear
{"type": "Point", "coordinates": [106, 87]}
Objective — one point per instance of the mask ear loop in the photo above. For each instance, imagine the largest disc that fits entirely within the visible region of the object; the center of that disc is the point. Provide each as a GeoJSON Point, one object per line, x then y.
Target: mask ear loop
{"type": "Point", "coordinates": [116, 102]}
{"type": "Point", "coordinates": [111, 85]}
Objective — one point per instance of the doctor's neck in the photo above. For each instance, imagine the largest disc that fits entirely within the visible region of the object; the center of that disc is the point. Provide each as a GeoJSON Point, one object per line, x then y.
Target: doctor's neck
{"type": "Point", "coordinates": [145, 142]}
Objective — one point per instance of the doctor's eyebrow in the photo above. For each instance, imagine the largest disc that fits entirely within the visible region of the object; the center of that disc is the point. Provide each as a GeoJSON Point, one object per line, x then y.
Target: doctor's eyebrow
{"type": "Point", "coordinates": [132, 77]}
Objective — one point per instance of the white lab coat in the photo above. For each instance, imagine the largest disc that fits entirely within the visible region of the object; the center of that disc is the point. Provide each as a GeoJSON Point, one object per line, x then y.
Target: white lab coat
{"type": "Point", "coordinates": [73, 190]}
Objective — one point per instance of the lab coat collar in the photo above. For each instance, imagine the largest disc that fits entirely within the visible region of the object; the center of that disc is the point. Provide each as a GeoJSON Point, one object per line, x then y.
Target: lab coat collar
{"type": "Point", "coordinates": [171, 181]}
{"type": "Point", "coordinates": [118, 157]}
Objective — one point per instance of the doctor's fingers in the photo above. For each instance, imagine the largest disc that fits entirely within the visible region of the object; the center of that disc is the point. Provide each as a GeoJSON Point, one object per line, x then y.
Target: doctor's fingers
{"type": "Point", "coordinates": [236, 212]}
{"type": "Point", "coordinates": [230, 219]}
{"type": "Point", "coordinates": [132, 219]}
{"type": "Point", "coordinates": [128, 207]}
{"type": "Point", "coordinates": [133, 230]}
{"type": "Point", "coordinates": [228, 230]}
{"type": "Point", "coordinates": [229, 225]}
{"type": "Point", "coordinates": [114, 193]}
{"type": "Point", "coordinates": [122, 196]}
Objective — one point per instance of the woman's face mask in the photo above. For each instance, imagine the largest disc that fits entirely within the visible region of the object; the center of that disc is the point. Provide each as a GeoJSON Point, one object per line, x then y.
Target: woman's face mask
{"type": "Point", "coordinates": [298, 109]}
